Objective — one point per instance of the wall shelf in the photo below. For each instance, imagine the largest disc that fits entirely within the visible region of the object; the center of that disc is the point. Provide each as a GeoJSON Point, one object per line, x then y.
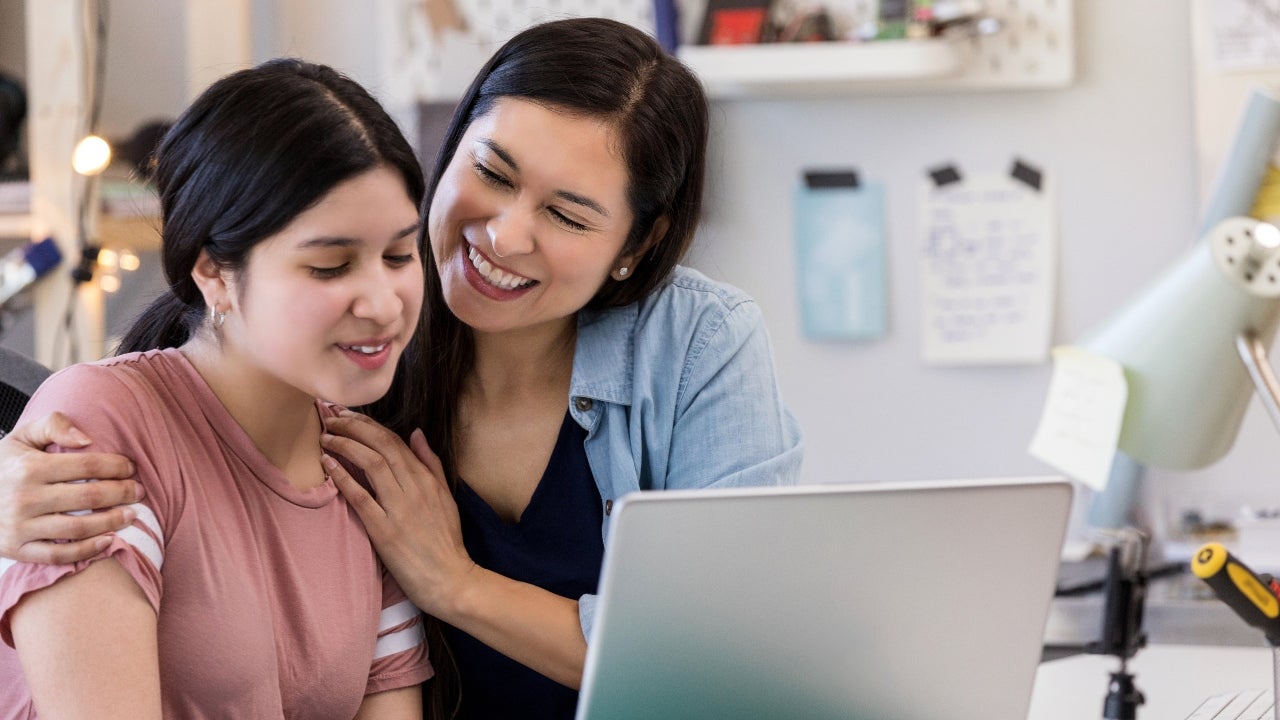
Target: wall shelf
{"type": "Point", "coordinates": [739, 70]}
{"type": "Point", "coordinates": [1033, 48]}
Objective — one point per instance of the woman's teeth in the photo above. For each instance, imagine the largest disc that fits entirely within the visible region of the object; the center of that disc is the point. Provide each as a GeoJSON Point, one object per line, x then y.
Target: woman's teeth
{"type": "Point", "coordinates": [366, 349]}
{"type": "Point", "coordinates": [497, 276]}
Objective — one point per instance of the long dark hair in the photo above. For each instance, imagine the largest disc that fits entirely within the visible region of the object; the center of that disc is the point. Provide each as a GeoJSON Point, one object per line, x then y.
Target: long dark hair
{"type": "Point", "coordinates": [257, 148]}
{"type": "Point", "coordinates": [586, 67]}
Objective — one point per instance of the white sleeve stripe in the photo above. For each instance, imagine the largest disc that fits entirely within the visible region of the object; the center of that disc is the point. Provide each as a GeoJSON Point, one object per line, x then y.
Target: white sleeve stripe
{"type": "Point", "coordinates": [148, 518]}
{"type": "Point", "coordinates": [144, 543]}
{"type": "Point", "coordinates": [398, 614]}
{"type": "Point", "coordinates": [149, 542]}
{"type": "Point", "coordinates": [398, 641]}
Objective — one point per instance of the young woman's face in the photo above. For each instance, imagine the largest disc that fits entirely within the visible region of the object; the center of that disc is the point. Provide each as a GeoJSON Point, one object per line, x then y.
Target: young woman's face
{"type": "Point", "coordinates": [530, 217]}
{"type": "Point", "coordinates": [327, 304]}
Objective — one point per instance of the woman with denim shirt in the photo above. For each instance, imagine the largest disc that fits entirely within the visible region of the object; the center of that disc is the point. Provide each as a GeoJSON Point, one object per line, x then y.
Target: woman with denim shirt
{"type": "Point", "coordinates": [572, 361]}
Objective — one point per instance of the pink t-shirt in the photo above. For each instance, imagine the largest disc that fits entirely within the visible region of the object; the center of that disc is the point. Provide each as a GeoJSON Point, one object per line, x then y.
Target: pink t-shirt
{"type": "Point", "coordinates": [270, 600]}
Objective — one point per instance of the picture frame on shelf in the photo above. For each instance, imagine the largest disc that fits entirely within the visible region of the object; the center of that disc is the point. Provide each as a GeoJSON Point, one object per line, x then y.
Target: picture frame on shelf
{"type": "Point", "coordinates": [735, 22]}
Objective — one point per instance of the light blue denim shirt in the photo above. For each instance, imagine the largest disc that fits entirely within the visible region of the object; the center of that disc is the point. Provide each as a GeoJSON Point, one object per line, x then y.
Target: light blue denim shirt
{"type": "Point", "coordinates": [678, 391]}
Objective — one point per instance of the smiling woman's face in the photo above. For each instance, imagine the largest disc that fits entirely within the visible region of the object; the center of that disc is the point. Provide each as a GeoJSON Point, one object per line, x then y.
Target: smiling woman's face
{"type": "Point", "coordinates": [530, 217]}
{"type": "Point", "coordinates": [328, 304]}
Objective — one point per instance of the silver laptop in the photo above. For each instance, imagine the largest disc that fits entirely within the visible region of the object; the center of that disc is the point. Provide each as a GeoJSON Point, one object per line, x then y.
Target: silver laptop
{"type": "Point", "coordinates": [920, 601]}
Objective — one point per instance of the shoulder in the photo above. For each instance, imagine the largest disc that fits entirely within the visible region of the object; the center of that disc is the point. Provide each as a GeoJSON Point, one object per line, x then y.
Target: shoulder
{"type": "Point", "coordinates": [112, 375]}
{"type": "Point", "coordinates": [697, 307]}
{"type": "Point", "coordinates": [693, 311]}
{"type": "Point", "coordinates": [689, 292]}
{"type": "Point", "coordinates": [113, 388]}
{"type": "Point", "coordinates": [690, 321]}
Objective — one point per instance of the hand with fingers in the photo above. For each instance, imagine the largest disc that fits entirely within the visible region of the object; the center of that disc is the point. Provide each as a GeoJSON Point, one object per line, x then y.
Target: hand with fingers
{"type": "Point", "coordinates": [410, 516]}
{"type": "Point", "coordinates": [37, 491]}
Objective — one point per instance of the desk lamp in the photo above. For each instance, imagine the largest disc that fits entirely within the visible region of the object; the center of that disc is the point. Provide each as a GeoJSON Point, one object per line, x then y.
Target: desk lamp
{"type": "Point", "coordinates": [1193, 345]}
{"type": "Point", "coordinates": [1194, 349]}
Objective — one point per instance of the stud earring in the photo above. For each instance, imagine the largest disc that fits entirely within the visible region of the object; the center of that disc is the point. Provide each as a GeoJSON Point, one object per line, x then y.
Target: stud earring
{"type": "Point", "coordinates": [622, 272]}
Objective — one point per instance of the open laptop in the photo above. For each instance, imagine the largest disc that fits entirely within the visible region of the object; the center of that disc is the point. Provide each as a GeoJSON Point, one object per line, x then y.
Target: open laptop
{"type": "Point", "coordinates": [920, 601]}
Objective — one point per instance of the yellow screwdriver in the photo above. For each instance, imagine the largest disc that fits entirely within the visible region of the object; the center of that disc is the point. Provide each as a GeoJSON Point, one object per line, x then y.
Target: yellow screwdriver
{"type": "Point", "coordinates": [1253, 599]}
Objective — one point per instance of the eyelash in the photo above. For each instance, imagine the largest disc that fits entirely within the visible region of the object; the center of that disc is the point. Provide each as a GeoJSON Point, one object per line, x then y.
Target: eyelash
{"type": "Point", "coordinates": [492, 178]}
{"type": "Point", "coordinates": [329, 273]}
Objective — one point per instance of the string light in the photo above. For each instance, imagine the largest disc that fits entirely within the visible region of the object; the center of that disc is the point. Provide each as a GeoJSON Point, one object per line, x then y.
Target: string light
{"type": "Point", "coordinates": [91, 156]}
{"type": "Point", "coordinates": [129, 260]}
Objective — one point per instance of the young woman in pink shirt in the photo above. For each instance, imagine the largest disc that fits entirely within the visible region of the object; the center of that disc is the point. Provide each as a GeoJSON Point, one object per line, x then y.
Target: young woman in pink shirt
{"type": "Point", "coordinates": [245, 586]}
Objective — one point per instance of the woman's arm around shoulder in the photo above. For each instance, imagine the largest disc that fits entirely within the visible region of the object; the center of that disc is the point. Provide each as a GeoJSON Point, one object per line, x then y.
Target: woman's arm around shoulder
{"type": "Point", "coordinates": [37, 492]}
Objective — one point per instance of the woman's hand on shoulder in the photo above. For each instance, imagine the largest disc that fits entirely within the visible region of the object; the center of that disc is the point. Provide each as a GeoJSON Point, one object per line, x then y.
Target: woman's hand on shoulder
{"type": "Point", "coordinates": [36, 495]}
{"type": "Point", "coordinates": [411, 516]}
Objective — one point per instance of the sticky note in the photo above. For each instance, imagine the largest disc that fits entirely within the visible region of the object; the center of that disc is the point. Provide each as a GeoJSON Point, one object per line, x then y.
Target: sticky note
{"type": "Point", "coordinates": [1083, 413]}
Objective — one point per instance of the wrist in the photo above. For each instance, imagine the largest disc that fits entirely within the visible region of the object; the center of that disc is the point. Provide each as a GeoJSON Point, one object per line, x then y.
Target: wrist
{"type": "Point", "coordinates": [455, 598]}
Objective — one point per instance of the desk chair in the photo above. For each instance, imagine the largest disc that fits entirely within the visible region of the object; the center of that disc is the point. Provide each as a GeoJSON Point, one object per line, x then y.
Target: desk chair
{"type": "Point", "coordinates": [19, 378]}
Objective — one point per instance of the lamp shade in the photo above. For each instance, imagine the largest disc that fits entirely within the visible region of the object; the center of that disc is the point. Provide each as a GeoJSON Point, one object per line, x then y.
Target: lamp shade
{"type": "Point", "coordinates": [1188, 388]}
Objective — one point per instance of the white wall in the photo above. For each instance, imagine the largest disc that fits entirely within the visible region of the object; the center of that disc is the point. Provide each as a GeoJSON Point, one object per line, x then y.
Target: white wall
{"type": "Point", "coordinates": [1119, 145]}
{"type": "Point", "coordinates": [145, 64]}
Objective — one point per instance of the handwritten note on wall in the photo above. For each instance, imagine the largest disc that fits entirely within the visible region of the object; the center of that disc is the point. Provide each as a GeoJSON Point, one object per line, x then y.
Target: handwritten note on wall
{"type": "Point", "coordinates": [987, 263]}
{"type": "Point", "coordinates": [1083, 412]}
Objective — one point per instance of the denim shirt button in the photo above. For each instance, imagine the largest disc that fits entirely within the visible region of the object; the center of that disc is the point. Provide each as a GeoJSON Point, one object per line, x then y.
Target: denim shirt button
{"type": "Point", "coordinates": [608, 507]}
{"type": "Point", "coordinates": [582, 404]}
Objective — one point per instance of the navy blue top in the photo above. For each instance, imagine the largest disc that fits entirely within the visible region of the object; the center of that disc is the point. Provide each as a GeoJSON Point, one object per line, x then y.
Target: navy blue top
{"type": "Point", "coordinates": [556, 546]}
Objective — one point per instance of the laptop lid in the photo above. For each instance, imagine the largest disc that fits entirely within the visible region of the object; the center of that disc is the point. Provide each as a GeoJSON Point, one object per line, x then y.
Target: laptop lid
{"type": "Point", "coordinates": [902, 601]}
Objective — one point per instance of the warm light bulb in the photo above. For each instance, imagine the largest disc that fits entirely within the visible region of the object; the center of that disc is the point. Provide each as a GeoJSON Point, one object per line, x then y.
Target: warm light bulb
{"type": "Point", "coordinates": [108, 258]}
{"type": "Point", "coordinates": [109, 283]}
{"type": "Point", "coordinates": [91, 156]}
{"type": "Point", "coordinates": [129, 260]}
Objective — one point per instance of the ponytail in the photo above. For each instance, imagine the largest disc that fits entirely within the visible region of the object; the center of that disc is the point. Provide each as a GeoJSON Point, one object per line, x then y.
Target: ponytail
{"type": "Point", "coordinates": [167, 322]}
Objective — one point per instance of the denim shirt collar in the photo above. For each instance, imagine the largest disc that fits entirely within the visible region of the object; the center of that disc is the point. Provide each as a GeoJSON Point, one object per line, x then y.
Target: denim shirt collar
{"type": "Point", "coordinates": [603, 362]}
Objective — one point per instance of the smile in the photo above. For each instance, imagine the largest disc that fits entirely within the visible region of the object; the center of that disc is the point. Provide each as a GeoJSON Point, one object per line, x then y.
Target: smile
{"type": "Point", "coordinates": [364, 349]}
{"type": "Point", "coordinates": [497, 276]}
{"type": "Point", "coordinates": [370, 355]}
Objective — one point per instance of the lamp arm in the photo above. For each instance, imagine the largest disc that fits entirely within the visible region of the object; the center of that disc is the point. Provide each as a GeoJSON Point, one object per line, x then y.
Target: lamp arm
{"type": "Point", "coordinates": [1254, 355]}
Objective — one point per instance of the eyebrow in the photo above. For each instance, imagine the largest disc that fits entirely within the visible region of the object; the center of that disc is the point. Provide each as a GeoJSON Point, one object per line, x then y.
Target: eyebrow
{"type": "Point", "coordinates": [332, 241]}
{"type": "Point", "coordinates": [572, 197]}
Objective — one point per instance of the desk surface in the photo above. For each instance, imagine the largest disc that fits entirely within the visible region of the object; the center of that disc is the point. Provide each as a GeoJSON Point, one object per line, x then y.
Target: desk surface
{"type": "Point", "coordinates": [1174, 678]}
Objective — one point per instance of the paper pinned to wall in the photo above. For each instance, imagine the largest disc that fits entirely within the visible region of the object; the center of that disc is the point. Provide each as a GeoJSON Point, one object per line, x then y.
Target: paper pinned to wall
{"type": "Point", "coordinates": [1244, 35]}
{"type": "Point", "coordinates": [987, 266]}
{"type": "Point", "coordinates": [840, 257]}
{"type": "Point", "coordinates": [1083, 414]}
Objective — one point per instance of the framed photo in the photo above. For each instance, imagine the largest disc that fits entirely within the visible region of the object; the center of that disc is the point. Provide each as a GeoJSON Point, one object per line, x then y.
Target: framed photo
{"type": "Point", "coordinates": [735, 22]}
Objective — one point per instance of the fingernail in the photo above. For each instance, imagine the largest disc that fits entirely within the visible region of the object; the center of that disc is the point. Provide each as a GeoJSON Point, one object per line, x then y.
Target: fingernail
{"type": "Point", "coordinates": [79, 437]}
{"type": "Point", "coordinates": [130, 515]}
{"type": "Point", "coordinates": [328, 461]}
{"type": "Point", "coordinates": [137, 491]}
{"type": "Point", "coordinates": [102, 543]}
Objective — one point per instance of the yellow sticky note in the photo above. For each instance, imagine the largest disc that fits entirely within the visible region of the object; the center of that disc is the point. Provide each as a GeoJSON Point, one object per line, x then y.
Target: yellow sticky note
{"type": "Point", "coordinates": [1082, 416]}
